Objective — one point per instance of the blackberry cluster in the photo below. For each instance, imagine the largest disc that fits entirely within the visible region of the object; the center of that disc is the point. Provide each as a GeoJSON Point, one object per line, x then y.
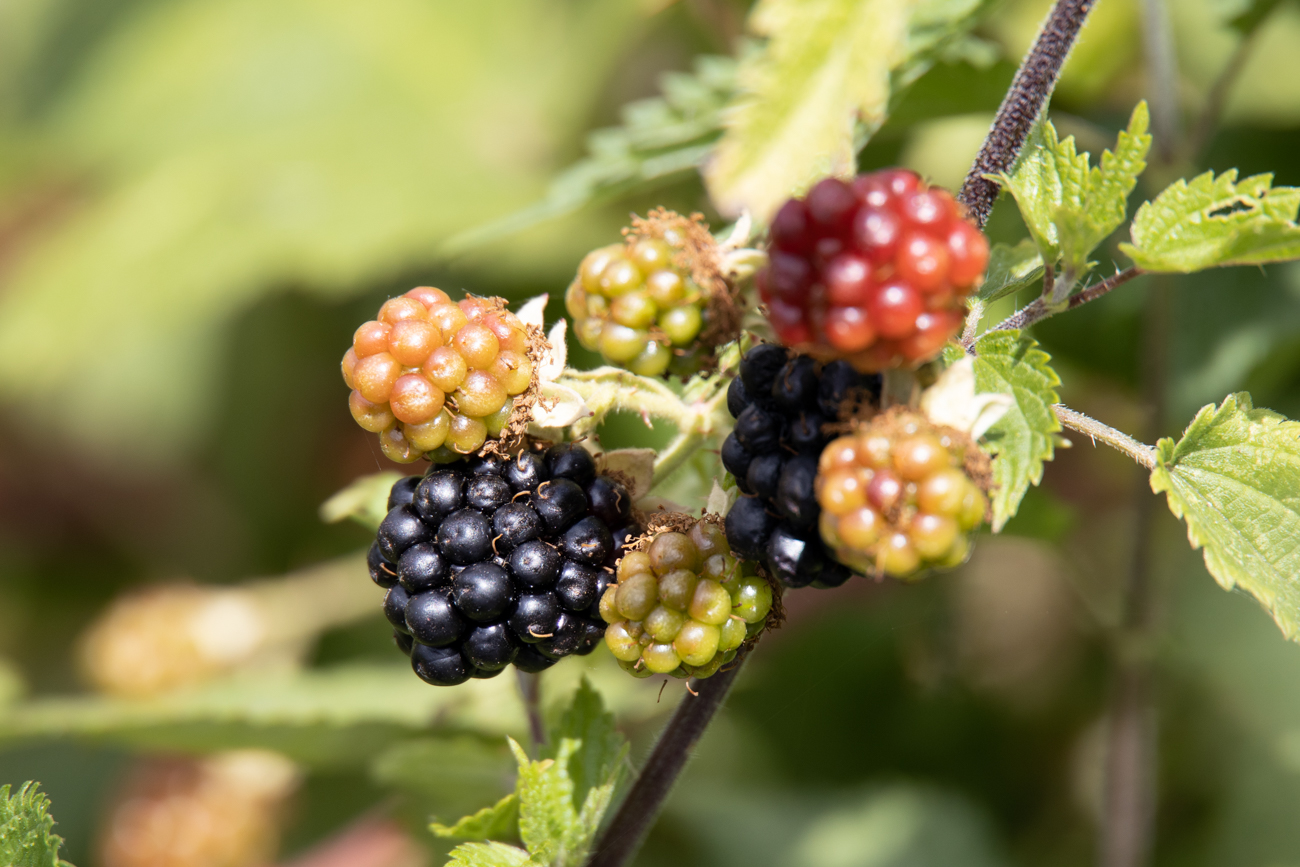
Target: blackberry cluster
{"type": "Point", "coordinates": [684, 605]}
{"type": "Point", "coordinates": [644, 304]}
{"type": "Point", "coordinates": [876, 270]}
{"type": "Point", "coordinates": [781, 403]}
{"type": "Point", "coordinates": [898, 497]}
{"type": "Point", "coordinates": [490, 561]}
{"type": "Point", "coordinates": [436, 377]}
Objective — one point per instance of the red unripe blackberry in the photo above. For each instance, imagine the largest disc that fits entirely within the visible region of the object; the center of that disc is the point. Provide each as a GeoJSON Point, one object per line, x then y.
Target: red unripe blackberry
{"type": "Point", "coordinates": [657, 303]}
{"type": "Point", "coordinates": [682, 604]}
{"type": "Point", "coordinates": [901, 495]}
{"type": "Point", "coordinates": [875, 271]}
{"type": "Point", "coordinates": [489, 561]}
{"type": "Point", "coordinates": [432, 375]}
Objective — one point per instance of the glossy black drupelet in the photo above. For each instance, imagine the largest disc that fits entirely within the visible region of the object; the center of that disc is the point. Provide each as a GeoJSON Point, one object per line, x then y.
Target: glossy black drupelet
{"type": "Point", "coordinates": [491, 561]}
{"type": "Point", "coordinates": [782, 403]}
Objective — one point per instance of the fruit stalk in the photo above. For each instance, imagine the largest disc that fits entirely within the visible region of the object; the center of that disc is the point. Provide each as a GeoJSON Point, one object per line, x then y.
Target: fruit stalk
{"type": "Point", "coordinates": [530, 692]}
{"type": "Point", "coordinates": [642, 805]}
{"type": "Point", "coordinates": [1029, 93]}
{"type": "Point", "coordinates": [1040, 308]}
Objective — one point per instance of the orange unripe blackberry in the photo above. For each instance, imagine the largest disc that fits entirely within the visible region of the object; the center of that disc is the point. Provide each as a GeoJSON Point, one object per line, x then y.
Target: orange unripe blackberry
{"type": "Point", "coordinates": [900, 496]}
{"type": "Point", "coordinates": [657, 303]}
{"type": "Point", "coordinates": [430, 374]}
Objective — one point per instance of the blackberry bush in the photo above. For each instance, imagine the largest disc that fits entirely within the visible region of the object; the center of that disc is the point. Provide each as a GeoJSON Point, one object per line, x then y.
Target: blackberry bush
{"type": "Point", "coordinates": [440, 378]}
{"type": "Point", "coordinates": [491, 561]}
{"type": "Point", "coordinates": [782, 403]}
{"type": "Point", "coordinates": [683, 603]}
{"type": "Point", "coordinates": [875, 270]}
{"type": "Point", "coordinates": [901, 495]}
{"type": "Point", "coordinates": [657, 303]}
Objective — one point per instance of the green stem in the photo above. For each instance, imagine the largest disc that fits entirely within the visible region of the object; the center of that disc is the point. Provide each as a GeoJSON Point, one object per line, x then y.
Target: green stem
{"type": "Point", "coordinates": [610, 389]}
{"type": "Point", "coordinates": [678, 451]}
{"type": "Point", "coordinates": [1118, 440]}
{"type": "Point", "coordinates": [644, 801]}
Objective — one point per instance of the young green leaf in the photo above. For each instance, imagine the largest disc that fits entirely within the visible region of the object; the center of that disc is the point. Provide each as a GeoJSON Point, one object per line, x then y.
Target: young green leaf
{"type": "Point", "coordinates": [1234, 477]}
{"type": "Point", "coordinates": [548, 822]}
{"type": "Point", "coordinates": [1068, 206]}
{"type": "Point", "coordinates": [487, 855]}
{"type": "Point", "coordinates": [1212, 221]}
{"type": "Point", "coordinates": [826, 64]}
{"type": "Point", "coordinates": [598, 760]}
{"type": "Point", "coordinates": [1025, 437]}
{"type": "Point", "coordinates": [27, 837]}
{"type": "Point", "coordinates": [1010, 270]}
{"type": "Point", "coordinates": [499, 821]}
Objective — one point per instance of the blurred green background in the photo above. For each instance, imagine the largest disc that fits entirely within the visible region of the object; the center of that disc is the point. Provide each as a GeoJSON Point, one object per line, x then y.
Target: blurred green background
{"type": "Point", "coordinates": [201, 199]}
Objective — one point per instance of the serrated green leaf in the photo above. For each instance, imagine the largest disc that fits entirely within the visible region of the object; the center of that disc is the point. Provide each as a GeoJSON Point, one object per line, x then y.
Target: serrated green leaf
{"type": "Point", "coordinates": [499, 821]}
{"type": "Point", "coordinates": [325, 717]}
{"type": "Point", "coordinates": [1213, 221]}
{"type": "Point", "coordinates": [671, 136]}
{"type": "Point", "coordinates": [820, 88]}
{"type": "Point", "coordinates": [1068, 206]}
{"type": "Point", "coordinates": [27, 837]}
{"type": "Point", "coordinates": [487, 855]}
{"type": "Point", "coordinates": [826, 65]}
{"type": "Point", "coordinates": [1024, 438]}
{"type": "Point", "coordinates": [1010, 270]}
{"type": "Point", "coordinates": [1234, 478]}
{"type": "Point", "coordinates": [365, 500]}
{"type": "Point", "coordinates": [598, 760]}
{"type": "Point", "coordinates": [548, 822]}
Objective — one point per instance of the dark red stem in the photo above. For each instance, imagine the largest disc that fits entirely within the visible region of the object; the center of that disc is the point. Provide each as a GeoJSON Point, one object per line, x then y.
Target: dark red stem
{"type": "Point", "coordinates": [641, 807]}
{"type": "Point", "coordinates": [1029, 92]}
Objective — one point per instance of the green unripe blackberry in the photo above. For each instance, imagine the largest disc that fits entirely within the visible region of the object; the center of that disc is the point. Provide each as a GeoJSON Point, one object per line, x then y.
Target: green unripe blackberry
{"type": "Point", "coordinates": [683, 605]}
{"type": "Point", "coordinates": [657, 303]}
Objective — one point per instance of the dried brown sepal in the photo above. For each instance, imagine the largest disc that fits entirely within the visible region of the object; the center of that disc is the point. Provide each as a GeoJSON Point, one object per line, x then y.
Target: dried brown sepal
{"type": "Point", "coordinates": [515, 432]}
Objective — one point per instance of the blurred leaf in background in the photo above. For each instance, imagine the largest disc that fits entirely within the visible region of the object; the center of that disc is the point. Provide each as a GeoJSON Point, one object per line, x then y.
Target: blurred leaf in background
{"type": "Point", "coordinates": [223, 149]}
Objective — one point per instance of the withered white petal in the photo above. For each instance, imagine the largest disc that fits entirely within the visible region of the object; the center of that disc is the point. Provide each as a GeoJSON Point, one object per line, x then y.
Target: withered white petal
{"type": "Point", "coordinates": [953, 402]}
{"type": "Point", "coordinates": [558, 406]}
{"type": "Point", "coordinates": [534, 311]}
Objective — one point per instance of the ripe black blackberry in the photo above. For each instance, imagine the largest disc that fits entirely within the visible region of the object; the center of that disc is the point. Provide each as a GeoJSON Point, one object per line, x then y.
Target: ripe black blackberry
{"type": "Point", "coordinates": [782, 402]}
{"type": "Point", "coordinates": [490, 561]}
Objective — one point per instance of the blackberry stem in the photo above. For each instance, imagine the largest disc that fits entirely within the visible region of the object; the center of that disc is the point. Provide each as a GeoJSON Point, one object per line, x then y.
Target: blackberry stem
{"type": "Point", "coordinates": [639, 809]}
{"type": "Point", "coordinates": [530, 690]}
{"type": "Point", "coordinates": [1029, 93]}
{"type": "Point", "coordinates": [1040, 308]}
{"type": "Point", "coordinates": [1118, 440]}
